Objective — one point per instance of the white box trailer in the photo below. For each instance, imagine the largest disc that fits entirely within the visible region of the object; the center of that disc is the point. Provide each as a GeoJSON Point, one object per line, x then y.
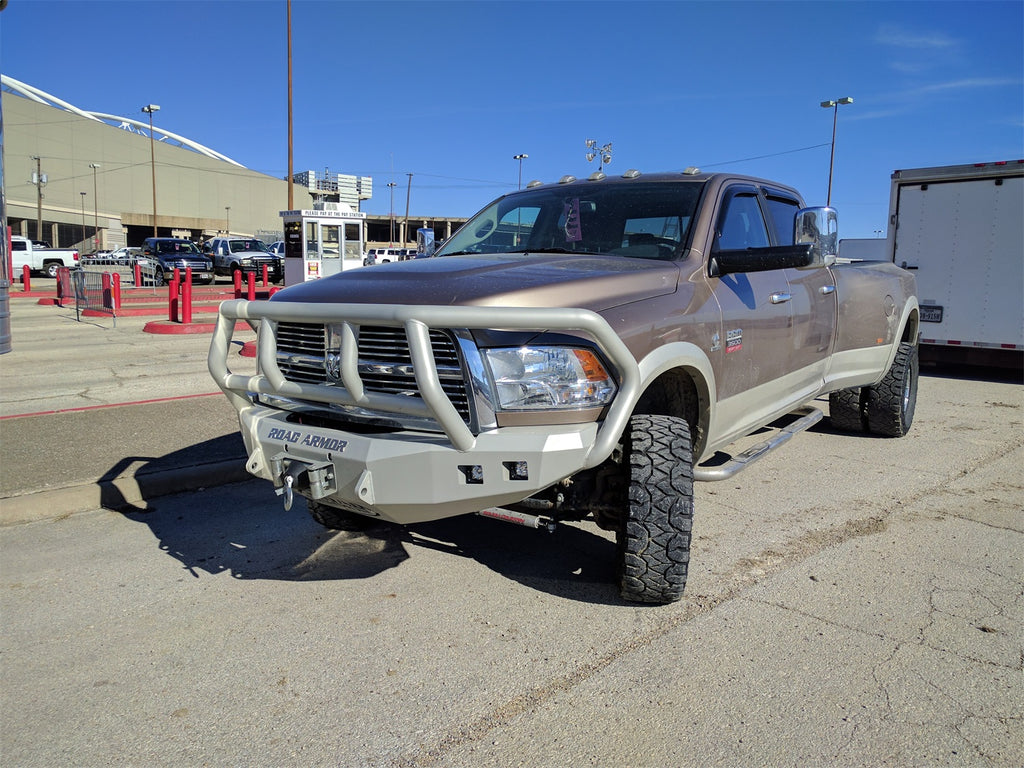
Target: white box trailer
{"type": "Point", "coordinates": [961, 228]}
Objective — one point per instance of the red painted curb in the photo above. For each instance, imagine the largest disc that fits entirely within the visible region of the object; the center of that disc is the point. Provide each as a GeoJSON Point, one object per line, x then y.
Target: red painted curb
{"type": "Point", "coordinates": [170, 327]}
{"type": "Point", "coordinates": [248, 349]}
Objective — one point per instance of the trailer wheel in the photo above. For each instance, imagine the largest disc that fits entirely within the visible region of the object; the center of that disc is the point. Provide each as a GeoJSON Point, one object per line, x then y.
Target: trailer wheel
{"type": "Point", "coordinates": [51, 267]}
{"type": "Point", "coordinates": [339, 519]}
{"type": "Point", "coordinates": [889, 406]}
{"type": "Point", "coordinates": [654, 538]}
{"type": "Point", "coordinates": [844, 410]}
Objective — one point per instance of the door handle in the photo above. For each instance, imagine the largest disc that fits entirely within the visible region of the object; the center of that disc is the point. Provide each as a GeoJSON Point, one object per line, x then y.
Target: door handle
{"type": "Point", "coordinates": [827, 289]}
{"type": "Point", "coordinates": [780, 298]}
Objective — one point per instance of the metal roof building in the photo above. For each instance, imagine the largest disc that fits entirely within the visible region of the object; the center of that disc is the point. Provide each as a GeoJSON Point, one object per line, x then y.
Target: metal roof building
{"type": "Point", "coordinates": [98, 190]}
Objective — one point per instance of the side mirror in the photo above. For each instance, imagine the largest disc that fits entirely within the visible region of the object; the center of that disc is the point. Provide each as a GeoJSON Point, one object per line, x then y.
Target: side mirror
{"type": "Point", "coordinates": [818, 227]}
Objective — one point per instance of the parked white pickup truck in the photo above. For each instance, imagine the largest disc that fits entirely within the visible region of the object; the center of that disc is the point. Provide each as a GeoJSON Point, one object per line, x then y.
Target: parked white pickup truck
{"type": "Point", "coordinates": [44, 260]}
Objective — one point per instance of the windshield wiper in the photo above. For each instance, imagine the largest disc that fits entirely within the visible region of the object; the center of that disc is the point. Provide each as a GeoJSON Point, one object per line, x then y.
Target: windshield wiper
{"type": "Point", "coordinates": [545, 250]}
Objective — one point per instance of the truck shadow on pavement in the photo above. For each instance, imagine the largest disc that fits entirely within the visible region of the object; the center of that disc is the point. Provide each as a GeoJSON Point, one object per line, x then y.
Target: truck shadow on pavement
{"type": "Point", "coordinates": [242, 530]}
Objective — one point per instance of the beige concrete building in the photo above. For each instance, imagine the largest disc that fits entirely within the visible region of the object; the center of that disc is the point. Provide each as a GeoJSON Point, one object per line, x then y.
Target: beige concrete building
{"type": "Point", "coordinates": [98, 191]}
{"type": "Point", "coordinates": [196, 196]}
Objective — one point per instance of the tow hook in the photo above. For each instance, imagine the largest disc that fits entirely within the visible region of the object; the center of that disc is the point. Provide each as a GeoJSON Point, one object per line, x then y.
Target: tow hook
{"type": "Point", "coordinates": [295, 469]}
{"type": "Point", "coordinates": [519, 518]}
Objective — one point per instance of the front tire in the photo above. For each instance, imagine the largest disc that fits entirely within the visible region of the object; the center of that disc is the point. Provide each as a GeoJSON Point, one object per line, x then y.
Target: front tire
{"type": "Point", "coordinates": [654, 538]}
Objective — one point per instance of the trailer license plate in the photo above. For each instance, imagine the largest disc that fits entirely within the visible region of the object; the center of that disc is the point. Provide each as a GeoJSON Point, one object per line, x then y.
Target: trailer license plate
{"type": "Point", "coordinates": [931, 313]}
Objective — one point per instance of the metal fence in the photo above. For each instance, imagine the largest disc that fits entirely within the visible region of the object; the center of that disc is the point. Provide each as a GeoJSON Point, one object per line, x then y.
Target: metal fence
{"type": "Point", "coordinates": [93, 291]}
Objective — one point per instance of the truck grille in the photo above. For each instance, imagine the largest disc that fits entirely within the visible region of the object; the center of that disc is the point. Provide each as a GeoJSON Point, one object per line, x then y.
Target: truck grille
{"type": "Point", "coordinates": [385, 364]}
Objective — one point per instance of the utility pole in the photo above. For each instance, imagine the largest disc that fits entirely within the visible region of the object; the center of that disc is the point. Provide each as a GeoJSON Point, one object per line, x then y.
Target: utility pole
{"type": "Point", "coordinates": [408, 194]}
{"type": "Point", "coordinates": [391, 189]}
{"type": "Point", "coordinates": [291, 183]}
{"type": "Point", "coordinates": [95, 211]}
{"type": "Point", "coordinates": [39, 180]}
{"type": "Point", "coordinates": [83, 220]}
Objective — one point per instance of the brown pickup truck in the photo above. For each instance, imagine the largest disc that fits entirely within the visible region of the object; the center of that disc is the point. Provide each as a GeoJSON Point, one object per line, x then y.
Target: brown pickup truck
{"type": "Point", "coordinates": [582, 350]}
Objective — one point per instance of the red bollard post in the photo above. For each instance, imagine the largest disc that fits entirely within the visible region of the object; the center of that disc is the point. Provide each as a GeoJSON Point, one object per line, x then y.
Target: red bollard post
{"type": "Point", "coordinates": [251, 287]}
{"type": "Point", "coordinates": [117, 291]}
{"type": "Point", "coordinates": [137, 273]}
{"type": "Point", "coordinates": [177, 275]}
{"type": "Point", "coordinates": [186, 299]}
{"type": "Point", "coordinates": [237, 277]}
{"type": "Point", "coordinates": [172, 306]}
{"type": "Point", "coordinates": [26, 278]}
{"type": "Point", "coordinates": [108, 293]}
{"type": "Point", "coordinates": [265, 281]}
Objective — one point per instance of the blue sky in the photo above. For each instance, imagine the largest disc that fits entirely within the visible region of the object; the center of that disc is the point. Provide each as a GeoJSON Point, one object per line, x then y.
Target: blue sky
{"type": "Point", "coordinates": [450, 91]}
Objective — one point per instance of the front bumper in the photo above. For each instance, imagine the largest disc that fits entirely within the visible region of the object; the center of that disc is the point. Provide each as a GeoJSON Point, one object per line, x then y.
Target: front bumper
{"type": "Point", "coordinates": [408, 477]}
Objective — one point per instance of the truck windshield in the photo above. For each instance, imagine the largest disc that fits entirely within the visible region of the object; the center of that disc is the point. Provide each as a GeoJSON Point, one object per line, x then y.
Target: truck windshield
{"type": "Point", "coordinates": [247, 245]}
{"type": "Point", "coordinates": [636, 219]}
{"type": "Point", "coordinates": [176, 246]}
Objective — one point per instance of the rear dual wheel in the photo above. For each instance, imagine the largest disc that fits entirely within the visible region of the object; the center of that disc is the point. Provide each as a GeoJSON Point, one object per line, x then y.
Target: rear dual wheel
{"type": "Point", "coordinates": [886, 409]}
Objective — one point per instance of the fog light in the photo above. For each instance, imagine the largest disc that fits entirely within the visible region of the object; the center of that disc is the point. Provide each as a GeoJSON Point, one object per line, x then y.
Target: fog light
{"type": "Point", "coordinates": [474, 473]}
{"type": "Point", "coordinates": [517, 470]}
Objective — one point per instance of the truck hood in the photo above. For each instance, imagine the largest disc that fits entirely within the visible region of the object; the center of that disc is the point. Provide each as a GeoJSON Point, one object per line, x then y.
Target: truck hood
{"type": "Point", "coordinates": [592, 282]}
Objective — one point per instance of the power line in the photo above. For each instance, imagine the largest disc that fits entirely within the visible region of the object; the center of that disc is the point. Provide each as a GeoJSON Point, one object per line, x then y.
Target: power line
{"type": "Point", "coordinates": [762, 157]}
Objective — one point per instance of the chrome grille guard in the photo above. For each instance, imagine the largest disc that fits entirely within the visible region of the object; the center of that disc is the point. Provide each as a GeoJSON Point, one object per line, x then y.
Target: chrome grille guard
{"type": "Point", "coordinates": [416, 321]}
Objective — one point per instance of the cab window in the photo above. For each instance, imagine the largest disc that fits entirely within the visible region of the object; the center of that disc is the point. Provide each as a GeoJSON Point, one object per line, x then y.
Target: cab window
{"type": "Point", "coordinates": [783, 211]}
{"type": "Point", "coordinates": [740, 223]}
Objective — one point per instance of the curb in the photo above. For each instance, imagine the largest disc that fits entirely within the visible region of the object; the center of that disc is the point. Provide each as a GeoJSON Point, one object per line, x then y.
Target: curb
{"type": "Point", "coordinates": [171, 326]}
{"type": "Point", "coordinates": [127, 492]}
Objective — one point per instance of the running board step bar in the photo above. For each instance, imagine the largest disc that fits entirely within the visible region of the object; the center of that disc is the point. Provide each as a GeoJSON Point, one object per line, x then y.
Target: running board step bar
{"type": "Point", "coordinates": [723, 472]}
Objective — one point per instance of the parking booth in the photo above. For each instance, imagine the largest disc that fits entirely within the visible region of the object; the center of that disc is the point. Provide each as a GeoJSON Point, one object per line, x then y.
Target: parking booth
{"type": "Point", "coordinates": [322, 242]}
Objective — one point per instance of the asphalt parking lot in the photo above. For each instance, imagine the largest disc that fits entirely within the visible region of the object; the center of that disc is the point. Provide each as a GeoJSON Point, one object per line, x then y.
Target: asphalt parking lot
{"type": "Point", "coordinates": [852, 601]}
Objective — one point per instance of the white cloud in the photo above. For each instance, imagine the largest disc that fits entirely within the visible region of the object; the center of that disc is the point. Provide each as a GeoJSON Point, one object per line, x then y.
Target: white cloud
{"type": "Point", "coordinates": [901, 38]}
{"type": "Point", "coordinates": [966, 84]}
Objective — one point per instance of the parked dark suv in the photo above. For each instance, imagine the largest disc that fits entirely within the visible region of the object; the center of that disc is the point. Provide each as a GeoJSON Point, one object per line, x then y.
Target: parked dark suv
{"type": "Point", "coordinates": [165, 254]}
{"type": "Point", "coordinates": [242, 254]}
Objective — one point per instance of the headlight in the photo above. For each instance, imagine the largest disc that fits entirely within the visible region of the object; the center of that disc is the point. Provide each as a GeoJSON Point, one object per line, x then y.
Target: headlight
{"type": "Point", "coordinates": [533, 378]}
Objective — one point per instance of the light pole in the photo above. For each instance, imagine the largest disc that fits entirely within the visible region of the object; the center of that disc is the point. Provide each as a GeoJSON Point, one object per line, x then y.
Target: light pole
{"type": "Point", "coordinates": [227, 221]}
{"type": "Point", "coordinates": [391, 188]}
{"type": "Point", "coordinates": [150, 109]}
{"type": "Point", "coordinates": [95, 211]}
{"type": "Point", "coordinates": [520, 158]}
{"type": "Point", "coordinates": [605, 153]}
{"type": "Point", "coordinates": [834, 106]}
{"type": "Point", "coordinates": [83, 219]}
